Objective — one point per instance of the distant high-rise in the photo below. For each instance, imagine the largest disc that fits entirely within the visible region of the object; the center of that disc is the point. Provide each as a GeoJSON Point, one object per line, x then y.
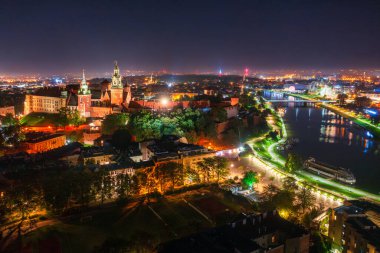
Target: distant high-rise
{"type": "Point", "coordinates": [246, 71]}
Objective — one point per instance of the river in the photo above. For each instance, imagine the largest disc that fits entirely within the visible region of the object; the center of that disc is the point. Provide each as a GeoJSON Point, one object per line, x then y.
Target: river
{"type": "Point", "coordinates": [333, 139]}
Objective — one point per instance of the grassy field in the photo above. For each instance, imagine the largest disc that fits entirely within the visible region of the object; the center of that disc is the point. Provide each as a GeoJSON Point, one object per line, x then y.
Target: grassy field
{"type": "Point", "coordinates": [138, 220]}
{"type": "Point", "coordinates": [39, 119]}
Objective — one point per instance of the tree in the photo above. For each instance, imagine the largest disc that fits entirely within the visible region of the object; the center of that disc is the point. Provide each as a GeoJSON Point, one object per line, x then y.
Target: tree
{"type": "Point", "coordinates": [267, 197]}
{"type": "Point", "coordinates": [293, 163]}
{"type": "Point", "coordinates": [247, 101]}
{"type": "Point", "coordinates": [11, 135]}
{"type": "Point", "coordinates": [284, 200]}
{"type": "Point", "coordinates": [123, 185]}
{"type": "Point", "coordinates": [75, 118]}
{"type": "Point", "coordinates": [145, 126]}
{"type": "Point", "coordinates": [174, 173]}
{"type": "Point", "coordinates": [305, 199]}
{"type": "Point", "coordinates": [342, 98]}
{"type": "Point", "coordinates": [204, 168]}
{"type": "Point", "coordinates": [249, 180]}
{"type": "Point", "coordinates": [63, 116]}
{"type": "Point", "coordinates": [121, 139]}
{"type": "Point", "coordinates": [363, 101]}
{"type": "Point", "coordinates": [218, 114]}
{"type": "Point", "coordinates": [273, 135]}
{"type": "Point", "coordinates": [142, 180]}
{"type": "Point", "coordinates": [103, 184]}
{"type": "Point", "coordinates": [57, 190]}
{"type": "Point", "coordinates": [169, 172]}
{"type": "Point", "coordinates": [220, 167]}
{"type": "Point", "coordinates": [23, 200]}
{"type": "Point", "coordinates": [115, 121]}
{"type": "Point", "coordinates": [159, 174]}
{"type": "Point", "coordinates": [135, 185]}
{"type": "Point", "coordinates": [9, 120]}
{"type": "Point", "coordinates": [82, 183]}
{"type": "Point", "coordinates": [191, 175]}
{"type": "Point", "coordinates": [274, 198]}
{"type": "Point", "coordinates": [289, 184]}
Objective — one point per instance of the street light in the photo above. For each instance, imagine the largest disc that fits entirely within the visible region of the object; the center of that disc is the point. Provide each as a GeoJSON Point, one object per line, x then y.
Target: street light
{"type": "Point", "coordinates": [164, 101]}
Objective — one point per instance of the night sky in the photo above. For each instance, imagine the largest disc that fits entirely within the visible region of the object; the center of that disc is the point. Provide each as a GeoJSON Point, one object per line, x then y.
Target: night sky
{"type": "Point", "coordinates": [58, 36]}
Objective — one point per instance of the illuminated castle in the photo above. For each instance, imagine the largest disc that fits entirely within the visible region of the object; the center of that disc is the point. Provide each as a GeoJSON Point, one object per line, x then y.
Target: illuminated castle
{"type": "Point", "coordinates": [89, 103]}
{"type": "Point", "coordinates": [116, 87]}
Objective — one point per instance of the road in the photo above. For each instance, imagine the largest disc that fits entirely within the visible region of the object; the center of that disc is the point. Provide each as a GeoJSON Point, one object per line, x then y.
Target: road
{"type": "Point", "coordinates": [340, 190]}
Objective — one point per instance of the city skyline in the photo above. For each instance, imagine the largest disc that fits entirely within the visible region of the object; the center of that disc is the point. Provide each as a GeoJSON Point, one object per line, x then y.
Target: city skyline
{"type": "Point", "coordinates": [179, 36]}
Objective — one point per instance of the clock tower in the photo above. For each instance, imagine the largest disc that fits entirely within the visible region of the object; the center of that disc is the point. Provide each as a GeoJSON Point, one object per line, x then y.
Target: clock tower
{"type": "Point", "coordinates": [84, 98]}
{"type": "Point", "coordinates": [116, 87]}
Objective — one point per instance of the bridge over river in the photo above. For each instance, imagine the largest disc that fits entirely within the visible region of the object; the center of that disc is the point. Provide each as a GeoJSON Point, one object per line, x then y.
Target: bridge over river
{"type": "Point", "coordinates": [298, 101]}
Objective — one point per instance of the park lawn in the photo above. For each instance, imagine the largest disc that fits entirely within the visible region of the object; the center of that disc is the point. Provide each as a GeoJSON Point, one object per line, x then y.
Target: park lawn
{"type": "Point", "coordinates": [72, 237]}
{"type": "Point", "coordinates": [261, 148]}
{"type": "Point", "coordinates": [236, 203]}
{"type": "Point", "coordinates": [75, 236]}
{"type": "Point", "coordinates": [142, 220]}
{"type": "Point", "coordinates": [214, 209]}
{"type": "Point", "coordinates": [180, 217]}
{"type": "Point", "coordinates": [136, 220]}
{"type": "Point", "coordinates": [220, 206]}
{"type": "Point", "coordinates": [35, 119]}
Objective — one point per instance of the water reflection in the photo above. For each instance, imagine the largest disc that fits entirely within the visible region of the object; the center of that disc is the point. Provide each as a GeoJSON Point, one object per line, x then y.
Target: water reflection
{"type": "Point", "coordinates": [332, 139]}
{"type": "Point", "coordinates": [335, 140]}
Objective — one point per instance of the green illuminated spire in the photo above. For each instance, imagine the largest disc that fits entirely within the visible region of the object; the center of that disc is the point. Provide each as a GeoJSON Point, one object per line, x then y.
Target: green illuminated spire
{"type": "Point", "coordinates": [116, 77]}
{"type": "Point", "coordinates": [83, 86]}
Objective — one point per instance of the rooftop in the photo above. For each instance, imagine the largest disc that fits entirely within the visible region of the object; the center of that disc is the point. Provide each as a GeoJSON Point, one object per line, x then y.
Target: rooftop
{"type": "Point", "coordinates": [237, 236]}
{"type": "Point", "coordinates": [44, 137]}
{"type": "Point", "coordinates": [49, 92]}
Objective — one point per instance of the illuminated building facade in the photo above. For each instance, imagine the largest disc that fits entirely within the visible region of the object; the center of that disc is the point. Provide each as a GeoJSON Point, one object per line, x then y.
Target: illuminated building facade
{"type": "Point", "coordinates": [7, 110]}
{"type": "Point", "coordinates": [45, 100]}
{"type": "Point", "coordinates": [45, 143]}
{"type": "Point", "coordinates": [84, 98]}
{"type": "Point", "coordinates": [352, 228]}
{"type": "Point", "coordinates": [99, 104]}
{"type": "Point", "coordinates": [116, 87]}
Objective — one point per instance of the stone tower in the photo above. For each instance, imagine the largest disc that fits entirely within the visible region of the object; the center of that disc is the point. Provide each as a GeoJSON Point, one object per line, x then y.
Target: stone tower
{"type": "Point", "coordinates": [84, 98]}
{"type": "Point", "coordinates": [116, 87]}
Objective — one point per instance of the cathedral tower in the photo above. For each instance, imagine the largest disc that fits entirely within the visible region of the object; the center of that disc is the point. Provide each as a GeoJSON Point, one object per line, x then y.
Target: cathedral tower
{"type": "Point", "coordinates": [84, 98]}
{"type": "Point", "coordinates": [116, 87]}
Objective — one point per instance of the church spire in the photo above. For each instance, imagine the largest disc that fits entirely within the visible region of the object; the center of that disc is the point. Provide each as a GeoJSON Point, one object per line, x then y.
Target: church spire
{"type": "Point", "coordinates": [116, 70]}
{"type": "Point", "coordinates": [83, 85]}
{"type": "Point", "coordinates": [84, 78]}
{"type": "Point", "coordinates": [116, 78]}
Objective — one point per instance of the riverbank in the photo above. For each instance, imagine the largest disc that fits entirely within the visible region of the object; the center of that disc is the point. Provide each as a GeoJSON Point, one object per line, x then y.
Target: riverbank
{"type": "Point", "coordinates": [267, 152]}
{"type": "Point", "coordinates": [375, 130]}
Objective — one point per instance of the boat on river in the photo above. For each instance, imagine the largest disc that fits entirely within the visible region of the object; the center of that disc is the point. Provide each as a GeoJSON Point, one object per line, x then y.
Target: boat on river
{"type": "Point", "coordinates": [329, 171]}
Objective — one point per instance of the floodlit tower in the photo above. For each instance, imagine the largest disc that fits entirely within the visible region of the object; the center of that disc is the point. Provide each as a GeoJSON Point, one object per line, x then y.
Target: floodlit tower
{"type": "Point", "coordinates": [245, 74]}
{"type": "Point", "coordinates": [83, 89]}
{"type": "Point", "coordinates": [84, 98]}
{"type": "Point", "coordinates": [116, 87]}
{"type": "Point", "coordinates": [220, 73]}
{"type": "Point", "coordinates": [116, 77]}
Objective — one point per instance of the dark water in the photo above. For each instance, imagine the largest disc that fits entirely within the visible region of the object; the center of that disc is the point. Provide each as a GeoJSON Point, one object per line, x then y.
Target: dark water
{"type": "Point", "coordinates": [335, 140]}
